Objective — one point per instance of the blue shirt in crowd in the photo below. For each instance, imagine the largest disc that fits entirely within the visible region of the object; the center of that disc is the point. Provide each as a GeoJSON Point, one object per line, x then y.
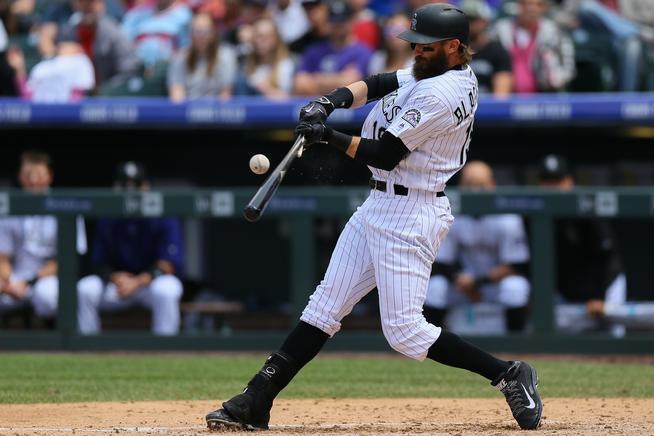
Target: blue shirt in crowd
{"type": "Point", "coordinates": [135, 244]}
{"type": "Point", "coordinates": [322, 57]}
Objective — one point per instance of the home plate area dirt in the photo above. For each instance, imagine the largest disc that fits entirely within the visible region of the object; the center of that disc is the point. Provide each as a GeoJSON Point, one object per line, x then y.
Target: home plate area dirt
{"type": "Point", "coordinates": [400, 416]}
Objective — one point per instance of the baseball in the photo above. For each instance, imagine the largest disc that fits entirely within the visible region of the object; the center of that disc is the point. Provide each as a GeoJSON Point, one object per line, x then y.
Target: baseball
{"type": "Point", "coordinates": [259, 164]}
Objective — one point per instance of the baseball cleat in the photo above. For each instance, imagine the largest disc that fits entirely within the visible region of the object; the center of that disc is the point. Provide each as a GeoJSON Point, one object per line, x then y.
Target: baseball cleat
{"type": "Point", "coordinates": [519, 385]}
{"type": "Point", "coordinates": [221, 420]}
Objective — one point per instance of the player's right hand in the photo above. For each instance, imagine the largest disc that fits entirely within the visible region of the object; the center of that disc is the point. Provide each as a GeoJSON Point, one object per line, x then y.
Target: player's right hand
{"type": "Point", "coordinates": [312, 132]}
{"type": "Point", "coordinates": [315, 112]}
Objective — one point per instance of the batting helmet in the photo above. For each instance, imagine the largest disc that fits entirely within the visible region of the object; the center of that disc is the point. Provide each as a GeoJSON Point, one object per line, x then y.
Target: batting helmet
{"type": "Point", "coordinates": [437, 22]}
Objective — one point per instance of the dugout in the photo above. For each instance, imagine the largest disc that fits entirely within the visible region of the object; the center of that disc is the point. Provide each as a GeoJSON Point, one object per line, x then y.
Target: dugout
{"type": "Point", "coordinates": [607, 138]}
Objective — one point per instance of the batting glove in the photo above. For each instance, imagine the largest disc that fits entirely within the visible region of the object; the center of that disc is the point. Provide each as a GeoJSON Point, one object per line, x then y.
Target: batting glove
{"type": "Point", "coordinates": [312, 132]}
{"type": "Point", "coordinates": [317, 111]}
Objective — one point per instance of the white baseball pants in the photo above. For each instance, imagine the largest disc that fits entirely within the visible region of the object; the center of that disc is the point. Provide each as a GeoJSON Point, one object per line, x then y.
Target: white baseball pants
{"type": "Point", "coordinates": [390, 242]}
{"type": "Point", "coordinates": [161, 296]}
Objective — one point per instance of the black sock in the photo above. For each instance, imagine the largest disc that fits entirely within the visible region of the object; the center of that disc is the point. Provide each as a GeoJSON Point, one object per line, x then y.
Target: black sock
{"type": "Point", "coordinates": [434, 315]}
{"type": "Point", "coordinates": [451, 350]}
{"type": "Point", "coordinates": [516, 318]}
{"type": "Point", "coordinates": [302, 344]}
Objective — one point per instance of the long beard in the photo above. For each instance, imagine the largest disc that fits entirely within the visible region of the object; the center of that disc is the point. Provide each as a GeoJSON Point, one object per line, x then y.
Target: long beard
{"type": "Point", "coordinates": [424, 69]}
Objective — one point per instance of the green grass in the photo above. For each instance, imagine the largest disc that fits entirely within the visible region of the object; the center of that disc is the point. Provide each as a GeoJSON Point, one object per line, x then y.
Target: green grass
{"type": "Point", "coordinates": [49, 378]}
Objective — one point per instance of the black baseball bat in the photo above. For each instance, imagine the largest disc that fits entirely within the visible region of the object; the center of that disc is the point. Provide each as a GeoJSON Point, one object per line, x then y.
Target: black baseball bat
{"type": "Point", "coordinates": [260, 200]}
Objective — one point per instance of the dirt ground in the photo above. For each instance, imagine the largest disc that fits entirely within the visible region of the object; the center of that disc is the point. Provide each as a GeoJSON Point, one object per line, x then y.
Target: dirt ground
{"type": "Point", "coordinates": [562, 416]}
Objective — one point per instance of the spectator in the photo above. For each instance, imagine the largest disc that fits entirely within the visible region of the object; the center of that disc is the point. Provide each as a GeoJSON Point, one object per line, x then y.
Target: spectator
{"type": "Point", "coordinates": [290, 18]}
{"type": "Point", "coordinates": [240, 32]}
{"type": "Point", "coordinates": [64, 78]}
{"type": "Point", "coordinates": [102, 40]}
{"type": "Point", "coordinates": [159, 30]}
{"type": "Point", "coordinates": [542, 55]}
{"type": "Point", "coordinates": [7, 73]}
{"type": "Point", "coordinates": [336, 62]}
{"type": "Point", "coordinates": [137, 263]}
{"type": "Point", "coordinates": [364, 27]}
{"type": "Point", "coordinates": [588, 267]}
{"type": "Point", "coordinates": [28, 246]}
{"type": "Point", "coordinates": [206, 68]}
{"type": "Point", "coordinates": [491, 62]}
{"type": "Point", "coordinates": [268, 70]}
{"type": "Point", "coordinates": [317, 12]}
{"type": "Point", "coordinates": [484, 258]}
{"type": "Point", "coordinates": [396, 53]}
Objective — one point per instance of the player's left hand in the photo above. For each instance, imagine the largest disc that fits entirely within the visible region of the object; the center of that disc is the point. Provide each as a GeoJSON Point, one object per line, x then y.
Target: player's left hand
{"type": "Point", "coordinates": [312, 132]}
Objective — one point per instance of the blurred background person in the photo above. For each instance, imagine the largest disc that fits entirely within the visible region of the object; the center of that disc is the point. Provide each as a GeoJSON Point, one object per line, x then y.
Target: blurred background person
{"type": "Point", "coordinates": [290, 18]}
{"type": "Point", "coordinates": [28, 246]}
{"type": "Point", "coordinates": [268, 69]}
{"type": "Point", "coordinates": [364, 25]}
{"type": "Point", "coordinates": [102, 39]}
{"type": "Point", "coordinates": [337, 62]}
{"type": "Point", "coordinates": [542, 54]}
{"type": "Point", "coordinates": [317, 12]}
{"type": "Point", "coordinates": [205, 69]}
{"type": "Point", "coordinates": [483, 259]}
{"type": "Point", "coordinates": [137, 263]}
{"type": "Point", "coordinates": [395, 54]}
{"type": "Point", "coordinates": [588, 266]}
{"type": "Point", "coordinates": [67, 77]}
{"type": "Point", "coordinates": [8, 86]}
{"type": "Point", "coordinates": [158, 30]}
{"type": "Point", "coordinates": [491, 62]}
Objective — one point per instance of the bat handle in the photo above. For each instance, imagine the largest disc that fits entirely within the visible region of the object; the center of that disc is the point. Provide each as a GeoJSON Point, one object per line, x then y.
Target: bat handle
{"type": "Point", "coordinates": [252, 214]}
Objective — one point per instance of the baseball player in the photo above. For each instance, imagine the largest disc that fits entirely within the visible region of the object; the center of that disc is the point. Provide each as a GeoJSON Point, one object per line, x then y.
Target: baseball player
{"type": "Point", "coordinates": [483, 258]}
{"type": "Point", "coordinates": [413, 140]}
{"type": "Point", "coordinates": [28, 246]}
{"type": "Point", "coordinates": [137, 261]}
{"type": "Point", "coordinates": [588, 264]}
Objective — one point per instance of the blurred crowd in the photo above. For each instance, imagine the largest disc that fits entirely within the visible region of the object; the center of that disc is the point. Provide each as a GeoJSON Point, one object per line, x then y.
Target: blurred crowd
{"type": "Point", "coordinates": [63, 50]}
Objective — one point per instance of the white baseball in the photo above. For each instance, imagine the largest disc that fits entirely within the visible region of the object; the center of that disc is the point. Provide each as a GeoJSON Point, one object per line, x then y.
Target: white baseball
{"type": "Point", "coordinates": [259, 164]}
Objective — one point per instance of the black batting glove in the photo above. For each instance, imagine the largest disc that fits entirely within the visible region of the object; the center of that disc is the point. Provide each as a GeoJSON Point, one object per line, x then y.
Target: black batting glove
{"type": "Point", "coordinates": [317, 111]}
{"type": "Point", "coordinates": [312, 132]}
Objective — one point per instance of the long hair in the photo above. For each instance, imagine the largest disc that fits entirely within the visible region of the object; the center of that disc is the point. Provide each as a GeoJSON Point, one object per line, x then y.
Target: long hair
{"type": "Point", "coordinates": [280, 52]}
{"type": "Point", "coordinates": [465, 53]}
{"type": "Point", "coordinates": [193, 55]}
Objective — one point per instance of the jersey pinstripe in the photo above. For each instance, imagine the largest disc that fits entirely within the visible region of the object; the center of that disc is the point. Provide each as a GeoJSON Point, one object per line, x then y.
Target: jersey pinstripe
{"type": "Point", "coordinates": [434, 119]}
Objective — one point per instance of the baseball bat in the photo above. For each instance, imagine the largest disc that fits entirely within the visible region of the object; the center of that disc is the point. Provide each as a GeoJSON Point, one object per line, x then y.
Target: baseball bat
{"type": "Point", "coordinates": [260, 200]}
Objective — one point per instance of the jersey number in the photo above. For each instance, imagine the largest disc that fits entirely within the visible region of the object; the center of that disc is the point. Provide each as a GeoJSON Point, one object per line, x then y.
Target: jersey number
{"type": "Point", "coordinates": [466, 143]}
{"type": "Point", "coordinates": [377, 134]}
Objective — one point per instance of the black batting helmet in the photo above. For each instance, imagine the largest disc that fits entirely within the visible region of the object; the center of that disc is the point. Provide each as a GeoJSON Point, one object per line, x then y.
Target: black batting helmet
{"type": "Point", "coordinates": [437, 22]}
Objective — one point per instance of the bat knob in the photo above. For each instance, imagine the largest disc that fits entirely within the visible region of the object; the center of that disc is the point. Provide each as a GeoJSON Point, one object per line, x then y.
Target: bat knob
{"type": "Point", "coordinates": [252, 214]}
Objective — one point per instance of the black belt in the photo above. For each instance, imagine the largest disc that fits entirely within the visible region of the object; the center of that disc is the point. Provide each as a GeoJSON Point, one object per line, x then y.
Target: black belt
{"type": "Point", "coordinates": [380, 185]}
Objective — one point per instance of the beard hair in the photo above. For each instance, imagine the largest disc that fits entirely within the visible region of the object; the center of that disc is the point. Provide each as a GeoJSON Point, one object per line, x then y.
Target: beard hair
{"type": "Point", "coordinates": [425, 69]}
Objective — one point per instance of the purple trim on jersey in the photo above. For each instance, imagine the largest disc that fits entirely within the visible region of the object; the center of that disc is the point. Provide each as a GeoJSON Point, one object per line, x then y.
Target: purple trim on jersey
{"type": "Point", "coordinates": [322, 57]}
{"type": "Point", "coordinates": [134, 245]}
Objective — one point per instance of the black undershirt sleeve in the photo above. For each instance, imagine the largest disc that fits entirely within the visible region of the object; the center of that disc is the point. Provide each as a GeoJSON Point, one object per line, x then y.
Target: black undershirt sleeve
{"type": "Point", "coordinates": [381, 84]}
{"type": "Point", "coordinates": [446, 270]}
{"type": "Point", "coordinates": [521, 269]}
{"type": "Point", "coordinates": [384, 153]}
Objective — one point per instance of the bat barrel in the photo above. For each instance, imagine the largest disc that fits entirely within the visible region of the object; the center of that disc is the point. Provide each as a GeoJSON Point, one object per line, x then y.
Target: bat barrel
{"type": "Point", "coordinates": [260, 200]}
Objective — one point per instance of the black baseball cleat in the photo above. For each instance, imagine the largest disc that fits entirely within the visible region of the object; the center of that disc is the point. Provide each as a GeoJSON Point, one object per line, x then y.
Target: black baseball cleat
{"type": "Point", "coordinates": [519, 385]}
{"type": "Point", "coordinates": [238, 414]}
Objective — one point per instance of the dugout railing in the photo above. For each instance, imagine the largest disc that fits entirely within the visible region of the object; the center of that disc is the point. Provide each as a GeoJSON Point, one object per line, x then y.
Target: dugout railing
{"type": "Point", "coordinates": [300, 206]}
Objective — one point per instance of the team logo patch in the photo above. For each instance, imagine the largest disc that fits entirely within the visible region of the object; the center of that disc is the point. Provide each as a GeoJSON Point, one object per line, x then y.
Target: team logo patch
{"type": "Point", "coordinates": [412, 116]}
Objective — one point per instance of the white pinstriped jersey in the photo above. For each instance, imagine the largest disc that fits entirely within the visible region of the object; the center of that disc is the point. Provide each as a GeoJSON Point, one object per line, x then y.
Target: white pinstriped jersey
{"type": "Point", "coordinates": [433, 117]}
{"type": "Point", "coordinates": [483, 243]}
